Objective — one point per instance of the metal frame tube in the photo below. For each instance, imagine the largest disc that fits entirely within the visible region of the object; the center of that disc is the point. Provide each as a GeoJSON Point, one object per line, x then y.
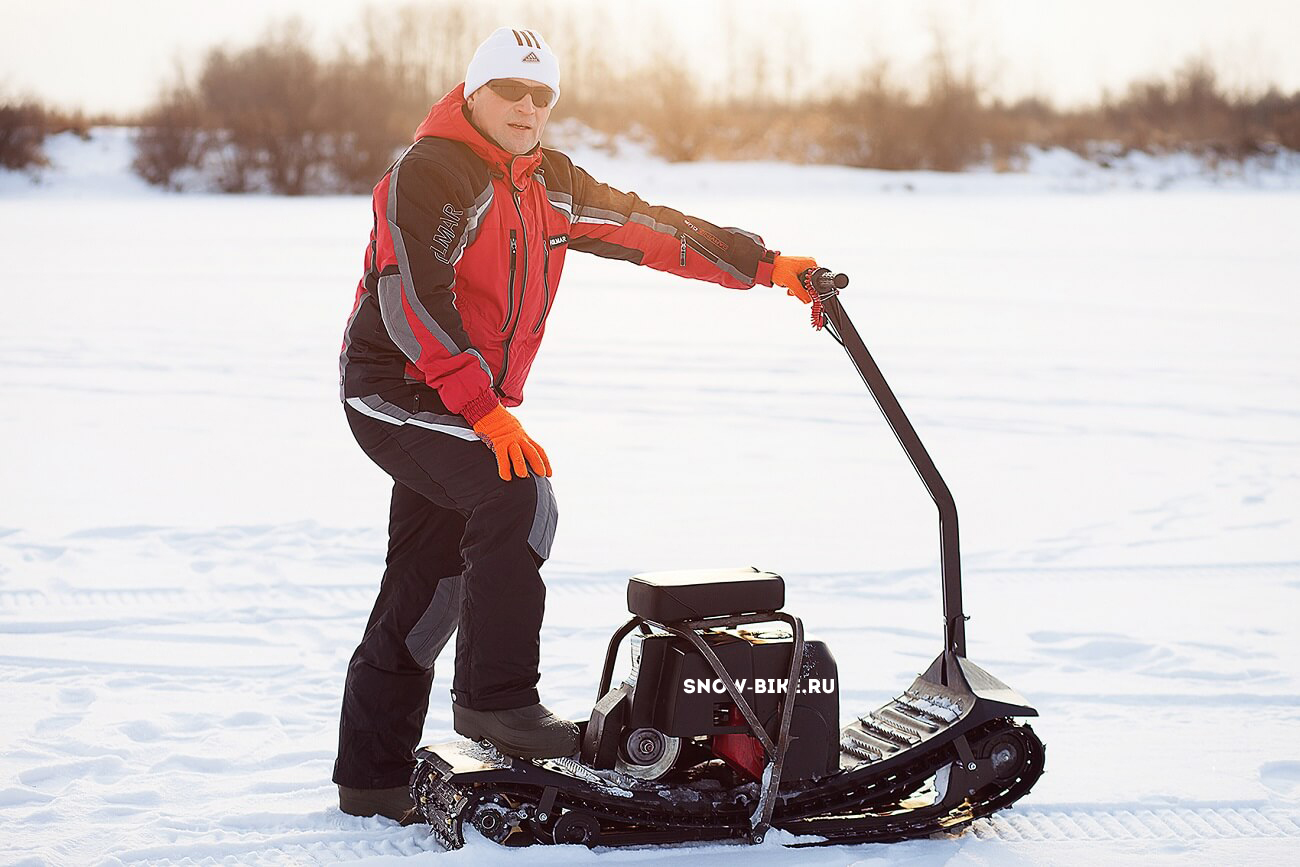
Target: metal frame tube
{"type": "Point", "coordinates": [607, 675]}
{"type": "Point", "coordinates": [690, 630]}
{"type": "Point", "coordinates": [954, 620]}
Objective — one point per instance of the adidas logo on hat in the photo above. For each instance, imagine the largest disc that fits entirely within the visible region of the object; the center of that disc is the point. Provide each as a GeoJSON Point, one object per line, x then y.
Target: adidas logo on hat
{"type": "Point", "coordinates": [531, 57]}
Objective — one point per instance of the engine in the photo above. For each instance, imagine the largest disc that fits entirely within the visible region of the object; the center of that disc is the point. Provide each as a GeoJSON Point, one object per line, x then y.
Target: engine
{"type": "Point", "coordinates": [673, 711]}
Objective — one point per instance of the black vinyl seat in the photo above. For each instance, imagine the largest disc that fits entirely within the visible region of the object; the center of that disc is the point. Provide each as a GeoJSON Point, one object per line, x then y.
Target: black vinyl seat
{"type": "Point", "coordinates": [666, 597]}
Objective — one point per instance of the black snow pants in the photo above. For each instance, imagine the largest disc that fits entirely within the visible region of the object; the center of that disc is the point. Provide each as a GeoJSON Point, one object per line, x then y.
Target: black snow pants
{"type": "Point", "coordinates": [464, 548]}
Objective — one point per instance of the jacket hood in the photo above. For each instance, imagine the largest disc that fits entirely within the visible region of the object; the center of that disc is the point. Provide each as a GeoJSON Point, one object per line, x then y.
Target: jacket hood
{"type": "Point", "coordinates": [447, 119]}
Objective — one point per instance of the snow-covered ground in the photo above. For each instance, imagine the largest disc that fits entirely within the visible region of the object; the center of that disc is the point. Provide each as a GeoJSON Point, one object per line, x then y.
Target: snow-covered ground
{"type": "Point", "coordinates": [1110, 382]}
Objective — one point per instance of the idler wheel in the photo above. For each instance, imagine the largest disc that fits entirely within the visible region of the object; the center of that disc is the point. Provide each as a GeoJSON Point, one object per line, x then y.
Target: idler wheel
{"type": "Point", "coordinates": [492, 821]}
{"type": "Point", "coordinates": [502, 820]}
{"type": "Point", "coordinates": [1008, 754]}
{"type": "Point", "coordinates": [577, 827]}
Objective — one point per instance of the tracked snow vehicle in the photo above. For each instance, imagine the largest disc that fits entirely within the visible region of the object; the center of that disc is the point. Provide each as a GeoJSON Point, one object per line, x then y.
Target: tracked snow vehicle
{"type": "Point", "coordinates": [728, 723]}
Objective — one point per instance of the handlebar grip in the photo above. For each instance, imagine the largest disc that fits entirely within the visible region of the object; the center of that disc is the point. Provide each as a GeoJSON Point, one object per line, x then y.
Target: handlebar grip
{"type": "Point", "coordinates": [824, 280]}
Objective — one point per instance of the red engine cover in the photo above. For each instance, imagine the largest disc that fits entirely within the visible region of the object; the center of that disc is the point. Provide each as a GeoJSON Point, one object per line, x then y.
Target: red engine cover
{"type": "Point", "coordinates": [743, 752]}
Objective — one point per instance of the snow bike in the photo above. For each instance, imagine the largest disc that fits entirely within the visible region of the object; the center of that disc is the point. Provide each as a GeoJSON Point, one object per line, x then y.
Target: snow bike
{"type": "Point", "coordinates": [728, 723]}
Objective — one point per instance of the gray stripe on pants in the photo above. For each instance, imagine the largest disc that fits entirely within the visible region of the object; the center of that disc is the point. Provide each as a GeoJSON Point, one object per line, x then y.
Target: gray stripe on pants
{"type": "Point", "coordinates": [545, 518]}
{"type": "Point", "coordinates": [429, 635]}
{"type": "Point", "coordinates": [376, 407]}
{"type": "Point", "coordinates": [448, 424]}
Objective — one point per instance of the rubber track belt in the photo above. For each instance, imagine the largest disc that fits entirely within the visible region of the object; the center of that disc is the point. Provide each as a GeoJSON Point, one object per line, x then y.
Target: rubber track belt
{"type": "Point", "coordinates": [851, 807]}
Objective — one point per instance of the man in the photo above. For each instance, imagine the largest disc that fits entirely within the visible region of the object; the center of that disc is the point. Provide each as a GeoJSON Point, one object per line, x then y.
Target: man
{"type": "Point", "coordinates": [471, 228]}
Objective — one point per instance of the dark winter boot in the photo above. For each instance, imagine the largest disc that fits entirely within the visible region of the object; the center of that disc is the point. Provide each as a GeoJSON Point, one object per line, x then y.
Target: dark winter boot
{"type": "Point", "coordinates": [531, 732]}
{"type": "Point", "coordinates": [394, 803]}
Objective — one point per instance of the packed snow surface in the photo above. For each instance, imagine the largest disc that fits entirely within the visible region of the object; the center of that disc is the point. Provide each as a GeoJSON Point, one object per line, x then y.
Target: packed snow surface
{"type": "Point", "coordinates": [1109, 381]}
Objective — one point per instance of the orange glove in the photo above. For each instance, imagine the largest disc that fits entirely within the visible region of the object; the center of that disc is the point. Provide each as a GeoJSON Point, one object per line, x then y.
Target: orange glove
{"type": "Point", "coordinates": [505, 436]}
{"type": "Point", "coordinates": [786, 271]}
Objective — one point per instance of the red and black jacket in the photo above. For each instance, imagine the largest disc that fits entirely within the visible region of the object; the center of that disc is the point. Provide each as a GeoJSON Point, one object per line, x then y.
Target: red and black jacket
{"type": "Point", "coordinates": [465, 259]}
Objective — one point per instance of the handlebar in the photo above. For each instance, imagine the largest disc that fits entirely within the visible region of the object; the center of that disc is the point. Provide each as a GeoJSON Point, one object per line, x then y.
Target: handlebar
{"type": "Point", "coordinates": [822, 285]}
{"type": "Point", "coordinates": [824, 281]}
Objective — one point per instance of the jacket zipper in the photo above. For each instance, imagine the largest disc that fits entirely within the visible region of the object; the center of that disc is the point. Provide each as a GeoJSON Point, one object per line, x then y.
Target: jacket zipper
{"type": "Point", "coordinates": [546, 285]}
{"type": "Point", "coordinates": [510, 287]}
{"type": "Point", "coordinates": [523, 283]}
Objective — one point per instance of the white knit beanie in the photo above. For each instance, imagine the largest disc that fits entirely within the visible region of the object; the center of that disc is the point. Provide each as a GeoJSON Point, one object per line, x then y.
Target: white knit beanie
{"type": "Point", "coordinates": [513, 54]}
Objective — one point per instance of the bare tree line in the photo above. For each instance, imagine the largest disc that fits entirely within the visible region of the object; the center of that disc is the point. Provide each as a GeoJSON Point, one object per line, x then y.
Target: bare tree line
{"type": "Point", "coordinates": [280, 115]}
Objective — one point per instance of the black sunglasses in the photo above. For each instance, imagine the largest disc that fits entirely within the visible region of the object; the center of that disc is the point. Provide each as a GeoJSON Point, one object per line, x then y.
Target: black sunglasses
{"type": "Point", "coordinates": [513, 91]}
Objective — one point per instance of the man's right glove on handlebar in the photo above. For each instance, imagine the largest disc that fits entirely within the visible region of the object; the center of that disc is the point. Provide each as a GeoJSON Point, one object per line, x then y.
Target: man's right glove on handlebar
{"type": "Point", "coordinates": [786, 271]}
{"type": "Point", "coordinates": [511, 445]}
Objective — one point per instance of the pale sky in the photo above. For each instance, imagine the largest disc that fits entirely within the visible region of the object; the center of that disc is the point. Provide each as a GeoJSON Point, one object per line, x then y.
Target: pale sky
{"type": "Point", "coordinates": [112, 55]}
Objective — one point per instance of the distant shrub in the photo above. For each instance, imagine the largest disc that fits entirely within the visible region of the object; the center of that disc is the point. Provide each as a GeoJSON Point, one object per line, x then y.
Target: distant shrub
{"type": "Point", "coordinates": [275, 117]}
{"type": "Point", "coordinates": [22, 133]}
{"type": "Point", "coordinates": [170, 138]}
{"type": "Point", "coordinates": [1277, 119]}
{"type": "Point", "coordinates": [76, 122]}
{"type": "Point", "coordinates": [884, 126]}
{"type": "Point", "coordinates": [672, 115]}
{"type": "Point", "coordinates": [267, 101]}
{"type": "Point", "coordinates": [370, 107]}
